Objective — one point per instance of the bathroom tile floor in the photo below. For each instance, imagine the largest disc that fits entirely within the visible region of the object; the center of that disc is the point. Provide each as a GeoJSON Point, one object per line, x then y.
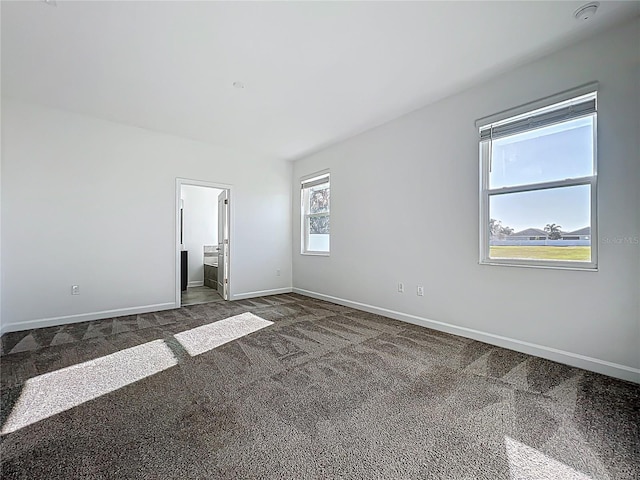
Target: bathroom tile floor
{"type": "Point", "coordinates": [197, 295]}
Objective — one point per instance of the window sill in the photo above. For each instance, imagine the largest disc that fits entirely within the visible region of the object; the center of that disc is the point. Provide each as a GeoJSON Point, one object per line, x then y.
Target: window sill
{"type": "Point", "coordinates": [316, 254]}
{"type": "Point", "coordinates": [586, 268]}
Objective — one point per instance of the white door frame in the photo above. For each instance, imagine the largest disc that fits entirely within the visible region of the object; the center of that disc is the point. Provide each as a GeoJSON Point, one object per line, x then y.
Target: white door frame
{"type": "Point", "coordinates": [199, 183]}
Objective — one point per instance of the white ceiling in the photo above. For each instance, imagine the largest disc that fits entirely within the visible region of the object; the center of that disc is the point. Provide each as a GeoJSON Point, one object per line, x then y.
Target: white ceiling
{"type": "Point", "coordinates": [315, 73]}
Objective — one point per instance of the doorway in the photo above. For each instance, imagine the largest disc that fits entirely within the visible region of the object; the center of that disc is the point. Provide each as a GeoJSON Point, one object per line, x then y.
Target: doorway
{"type": "Point", "coordinates": [203, 242]}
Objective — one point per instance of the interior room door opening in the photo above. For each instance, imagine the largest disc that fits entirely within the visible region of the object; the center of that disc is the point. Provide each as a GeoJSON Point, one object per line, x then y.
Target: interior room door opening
{"type": "Point", "coordinates": [203, 242]}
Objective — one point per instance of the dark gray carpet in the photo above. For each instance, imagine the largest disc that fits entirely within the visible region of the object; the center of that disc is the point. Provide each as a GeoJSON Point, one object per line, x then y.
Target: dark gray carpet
{"type": "Point", "coordinates": [324, 392]}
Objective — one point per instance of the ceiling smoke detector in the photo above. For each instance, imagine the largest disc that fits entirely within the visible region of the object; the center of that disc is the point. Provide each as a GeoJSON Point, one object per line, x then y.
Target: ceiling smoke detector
{"type": "Point", "coordinates": [586, 11]}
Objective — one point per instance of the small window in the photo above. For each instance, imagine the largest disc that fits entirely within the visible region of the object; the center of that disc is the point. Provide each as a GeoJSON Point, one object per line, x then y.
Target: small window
{"type": "Point", "coordinates": [316, 203]}
{"type": "Point", "coordinates": [538, 185]}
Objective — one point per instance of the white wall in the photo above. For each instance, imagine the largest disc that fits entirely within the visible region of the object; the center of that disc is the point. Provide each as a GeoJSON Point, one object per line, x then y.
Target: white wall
{"type": "Point", "coordinates": [1, 320]}
{"type": "Point", "coordinates": [200, 226]}
{"type": "Point", "coordinates": [92, 203]}
{"type": "Point", "coordinates": [398, 190]}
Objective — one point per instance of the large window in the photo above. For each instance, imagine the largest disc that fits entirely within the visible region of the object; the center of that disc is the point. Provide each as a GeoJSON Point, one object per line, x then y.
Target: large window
{"type": "Point", "coordinates": [316, 200]}
{"type": "Point", "coordinates": [538, 185]}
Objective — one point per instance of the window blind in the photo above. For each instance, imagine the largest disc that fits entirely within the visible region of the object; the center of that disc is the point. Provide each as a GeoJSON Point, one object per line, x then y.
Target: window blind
{"type": "Point", "coordinates": [548, 116]}
{"type": "Point", "coordinates": [312, 182]}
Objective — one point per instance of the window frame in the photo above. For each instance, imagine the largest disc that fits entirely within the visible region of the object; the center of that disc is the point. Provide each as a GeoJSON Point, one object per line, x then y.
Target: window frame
{"type": "Point", "coordinates": [486, 192]}
{"type": "Point", "coordinates": [305, 214]}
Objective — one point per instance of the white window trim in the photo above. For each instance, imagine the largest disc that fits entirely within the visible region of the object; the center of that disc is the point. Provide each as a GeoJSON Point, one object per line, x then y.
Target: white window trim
{"type": "Point", "coordinates": [486, 192]}
{"type": "Point", "coordinates": [304, 234]}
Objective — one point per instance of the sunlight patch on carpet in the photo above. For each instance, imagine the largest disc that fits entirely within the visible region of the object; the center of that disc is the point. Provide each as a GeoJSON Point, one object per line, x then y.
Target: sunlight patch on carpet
{"type": "Point", "coordinates": [55, 392]}
{"type": "Point", "coordinates": [207, 337]}
{"type": "Point", "coordinates": [528, 463]}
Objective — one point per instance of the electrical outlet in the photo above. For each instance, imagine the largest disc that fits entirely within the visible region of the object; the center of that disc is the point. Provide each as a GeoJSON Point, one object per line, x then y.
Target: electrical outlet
{"type": "Point", "coordinates": [420, 291]}
{"type": "Point", "coordinates": [75, 290]}
{"type": "Point", "coordinates": [400, 287]}
{"type": "Point", "coordinates": [278, 273]}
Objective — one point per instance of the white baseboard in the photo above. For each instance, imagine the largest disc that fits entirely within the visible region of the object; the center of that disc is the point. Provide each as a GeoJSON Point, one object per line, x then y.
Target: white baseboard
{"type": "Point", "coordinates": [195, 283]}
{"type": "Point", "coordinates": [574, 359]}
{"type": "Point", "coordinates": [261, 293]}
{"type": "Point", "coordinates": [85, 317]}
